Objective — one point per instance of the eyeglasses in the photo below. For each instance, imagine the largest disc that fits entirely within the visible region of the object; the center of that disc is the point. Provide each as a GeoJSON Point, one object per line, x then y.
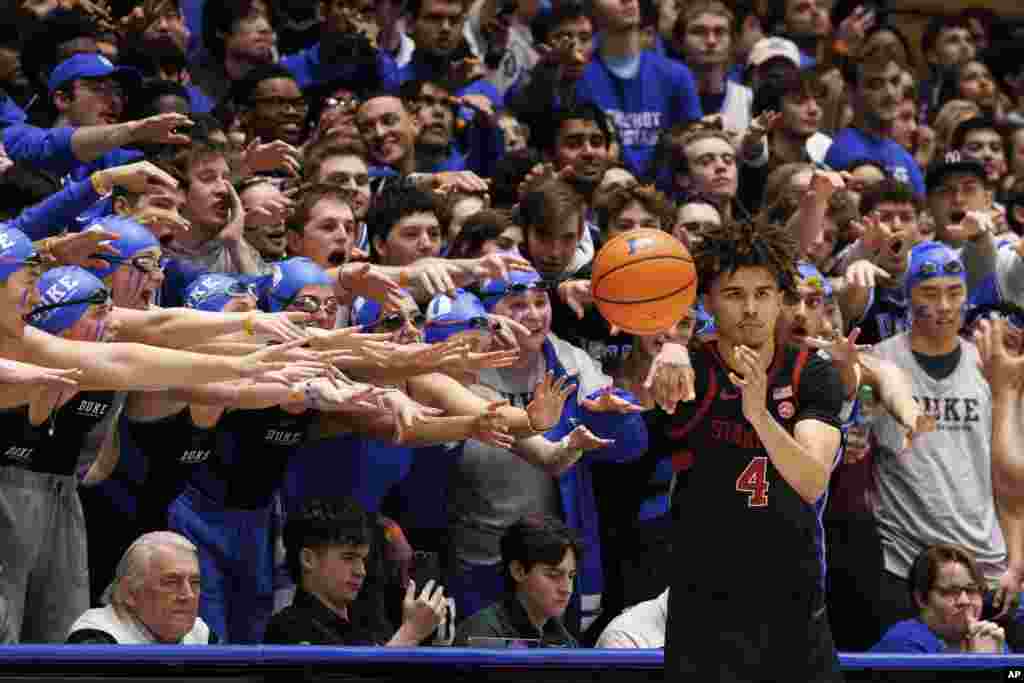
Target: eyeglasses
{"type": "Point", "coordinates": [102, 87]}
{"type": "Point", "coordinates": [396, 321]}
{"type": "Point", "coordinates": [931, 268]}
{"type": "Point", "coordinates": [101, 297]}
{"type": "Point", "coordinates": [312, 304]}
{"type": "Point", "coordinates": [481, 323]}
{"type": "Point", "coordinates": [523, 288]}
{"type": "Point", "coordinates": [299, 104]}
{"type": "Point", "coordinates": [144, 264]}
{"type": "Point", "coordinates": [347, 103]}
{"type": "Point", "coordinates": [973, 590]}
{"type": "Point", "coordinates": [241, 289]}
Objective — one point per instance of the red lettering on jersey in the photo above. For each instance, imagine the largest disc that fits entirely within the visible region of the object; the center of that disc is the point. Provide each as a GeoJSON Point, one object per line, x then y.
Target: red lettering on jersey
{"type": "Point", "coordinates": [754, 482]}
{"type": "Point", "coordinates": [735, 433]}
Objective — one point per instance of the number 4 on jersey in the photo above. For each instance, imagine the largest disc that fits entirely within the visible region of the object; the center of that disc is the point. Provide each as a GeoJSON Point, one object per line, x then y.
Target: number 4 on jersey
{"type": "Point", "coordinates": [754, 482]}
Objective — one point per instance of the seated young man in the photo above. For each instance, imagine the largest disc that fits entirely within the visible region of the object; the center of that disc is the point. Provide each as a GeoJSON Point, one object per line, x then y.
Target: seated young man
{"type": "Point", "coordinates": [327, 544]}
{"type": "Point", "coordinates": [947, 588]}
{"type": "Point", "coordinates": [540, 555]}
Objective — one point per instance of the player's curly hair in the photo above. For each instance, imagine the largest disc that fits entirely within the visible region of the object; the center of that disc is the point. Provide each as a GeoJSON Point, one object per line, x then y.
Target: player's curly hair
{"type": "Point", "coordinates": [744, 244]}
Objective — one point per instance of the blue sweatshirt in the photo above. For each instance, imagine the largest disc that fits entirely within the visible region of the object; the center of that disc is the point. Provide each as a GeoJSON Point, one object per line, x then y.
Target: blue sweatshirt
{"type": "Point", "coordinates": [49, 149]}
{"type": "Point", "coordinates": [662, 94]}
{"type": "Point", "coordinates": [852, 145]}
{"type": "Point", "coordinates": [57, 212]}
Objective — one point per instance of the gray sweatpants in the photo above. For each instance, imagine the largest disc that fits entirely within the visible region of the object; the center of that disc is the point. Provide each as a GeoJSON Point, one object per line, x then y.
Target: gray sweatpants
{"type": "Point", "coordinates": [44, 570]}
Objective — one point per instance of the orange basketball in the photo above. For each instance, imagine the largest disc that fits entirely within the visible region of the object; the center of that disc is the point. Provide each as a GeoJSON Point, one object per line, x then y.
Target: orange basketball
{"type": "Point", "coordinates": [643, 281]}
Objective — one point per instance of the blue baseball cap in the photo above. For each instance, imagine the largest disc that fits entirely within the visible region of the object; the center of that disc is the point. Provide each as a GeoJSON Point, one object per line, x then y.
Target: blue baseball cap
{"type": "Point", "coordinates": [212, 291]}
{"type": "Point", "coordinates": [932, 259]}
{"type": "Point", "coordinates": [16, 251]}
{"type": "Point", "coordinates": [93, 65]}
{"type": "Point", "coordinates": [65, 295]}
{"type": "Point", "coordinates": [519, 281]}
{"type": "Point", "coordinates": [812, 276]}
{"type": "Point", "coordinates": [447, 316]}
{"type": "Point", "coordinates": [288, 279]}
{"type": "Point", "coordinates": [133, 237]}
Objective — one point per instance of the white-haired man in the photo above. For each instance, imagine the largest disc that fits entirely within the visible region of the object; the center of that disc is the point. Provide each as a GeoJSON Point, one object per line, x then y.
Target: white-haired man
{"type": "Point", "coordinates": [154, 598]}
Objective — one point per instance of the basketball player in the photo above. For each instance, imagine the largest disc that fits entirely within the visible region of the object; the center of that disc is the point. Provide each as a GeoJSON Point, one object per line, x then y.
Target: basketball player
{"type": "Point", "coordinates": [761, 435]}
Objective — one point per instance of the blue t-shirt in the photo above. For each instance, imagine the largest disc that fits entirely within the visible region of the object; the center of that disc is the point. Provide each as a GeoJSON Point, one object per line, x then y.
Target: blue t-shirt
{"type": "Point", "coordinates": [912, 636]}
{"type": "Point", "coordinates": [662, 94]}
{"type": "Point", "coordinates": [852, 145]}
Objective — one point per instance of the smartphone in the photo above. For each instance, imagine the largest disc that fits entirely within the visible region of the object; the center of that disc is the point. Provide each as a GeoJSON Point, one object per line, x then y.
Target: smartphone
{"type": "Point", "coordinates": [426, 566]}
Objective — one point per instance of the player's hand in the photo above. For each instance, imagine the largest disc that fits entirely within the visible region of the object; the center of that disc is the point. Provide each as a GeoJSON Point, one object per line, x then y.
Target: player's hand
{"type": "Point", "coordinates": [752, 381]}
{"type": "Point", "coordinates": [670, 379]}
{"type": "Point", "coordinates": [549, 396]}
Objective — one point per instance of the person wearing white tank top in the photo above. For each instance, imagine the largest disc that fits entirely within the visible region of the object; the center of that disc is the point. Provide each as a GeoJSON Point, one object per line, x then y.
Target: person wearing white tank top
{"type": "Point", "coordinates": [940, 490]}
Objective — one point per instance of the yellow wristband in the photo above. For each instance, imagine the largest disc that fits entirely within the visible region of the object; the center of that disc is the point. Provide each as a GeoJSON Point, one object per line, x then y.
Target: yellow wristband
{"type": "Point", "coordinates": [403, 279]}
{"type": "Point", "coordinates": [100, 184]}
{"type": "Point", "coordinates": [248, 327]}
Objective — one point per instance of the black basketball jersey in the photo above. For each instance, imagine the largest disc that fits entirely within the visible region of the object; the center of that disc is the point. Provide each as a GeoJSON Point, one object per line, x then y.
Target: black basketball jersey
{"type": "Point", "coordinates": [745, 552]}
{"type": "Point", "coordinates": [732, 482]}
{"type": "Point", "coordinates": [54, 446]}
{"type": "Point", "coordinates": [173, 447]}
{"type": "Point", "coordinates": [253, 451]}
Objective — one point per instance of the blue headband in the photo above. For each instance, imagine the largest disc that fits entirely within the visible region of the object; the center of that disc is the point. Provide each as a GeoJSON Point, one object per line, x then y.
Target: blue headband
{"type": "Point", "coordinates": [288, 279]}
{"type": "Point", "coordinates": [15, 249]}
{"type": "Point", "coordinates": [932, 259]}
{"type": "Point", "coordinates": [132, 238]}
{"type": "Point", "coordinates": [447, 316]}
{"type": "Point", "coordinates": [61, 285]}
{"type": "Point", "coordinates": [212, 291]}
{"type": "Point", "coordinates": [492, 291]}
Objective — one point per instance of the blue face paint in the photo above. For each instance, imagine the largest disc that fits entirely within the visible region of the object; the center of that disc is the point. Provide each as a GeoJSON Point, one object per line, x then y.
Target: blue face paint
{"type": "Point", "coordinates": [65, 295]}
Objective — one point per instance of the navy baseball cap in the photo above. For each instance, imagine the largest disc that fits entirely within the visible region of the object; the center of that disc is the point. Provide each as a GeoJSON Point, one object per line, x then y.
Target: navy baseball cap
{"type": "Point", "coordinates": [953, 163]}
{"type": "Point", "coordinates": [92, 65]}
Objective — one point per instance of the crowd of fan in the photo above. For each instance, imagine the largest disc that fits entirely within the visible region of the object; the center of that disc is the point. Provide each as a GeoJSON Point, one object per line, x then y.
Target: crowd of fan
{"type": "Point", "coordinates": [472, 465]}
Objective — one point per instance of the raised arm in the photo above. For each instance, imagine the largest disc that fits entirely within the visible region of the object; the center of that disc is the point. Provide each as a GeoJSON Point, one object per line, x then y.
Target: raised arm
{"type": "Point", "coordinates": [137, 367]}
{"type": "Point", "coordinates": [185, 327]}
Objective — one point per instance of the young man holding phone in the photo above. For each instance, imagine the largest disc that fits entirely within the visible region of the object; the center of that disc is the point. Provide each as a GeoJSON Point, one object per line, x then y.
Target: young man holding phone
{"type": "Point", "coordinates": [327, 546]}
